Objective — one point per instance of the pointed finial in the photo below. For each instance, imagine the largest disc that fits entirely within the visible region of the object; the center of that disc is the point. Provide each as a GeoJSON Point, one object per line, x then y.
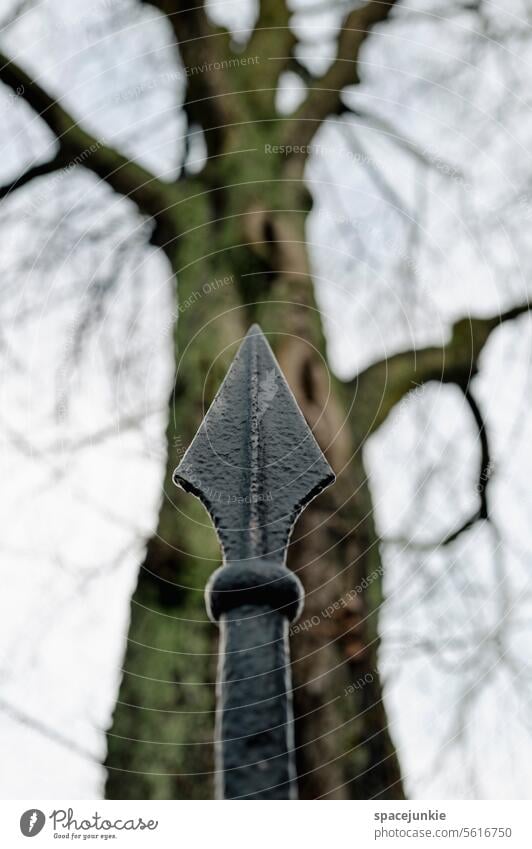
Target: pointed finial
{"type": "Point", "coordinates": [254, 461]}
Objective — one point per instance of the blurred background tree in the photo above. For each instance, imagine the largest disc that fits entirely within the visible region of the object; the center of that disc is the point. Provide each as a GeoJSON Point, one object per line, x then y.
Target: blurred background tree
{"type": "Point", "coordinates": [354, 178]}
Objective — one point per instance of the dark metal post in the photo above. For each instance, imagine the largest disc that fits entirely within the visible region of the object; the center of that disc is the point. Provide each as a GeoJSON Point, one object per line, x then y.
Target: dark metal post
{"type": "Point", "coordinates": [255, 465]}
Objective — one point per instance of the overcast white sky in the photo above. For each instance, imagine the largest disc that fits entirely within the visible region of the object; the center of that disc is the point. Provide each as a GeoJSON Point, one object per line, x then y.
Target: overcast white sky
{"type": "Point", "coordinates": [400, 249]}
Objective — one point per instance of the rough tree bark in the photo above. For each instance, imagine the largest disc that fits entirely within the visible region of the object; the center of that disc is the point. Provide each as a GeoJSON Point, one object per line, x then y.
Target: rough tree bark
{"type": "Point", "coordinates": [234, 236]}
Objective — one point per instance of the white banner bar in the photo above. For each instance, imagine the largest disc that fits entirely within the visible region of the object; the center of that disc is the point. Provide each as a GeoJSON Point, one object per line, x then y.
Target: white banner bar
{"type": "Point", "coordinates": [250, 825]}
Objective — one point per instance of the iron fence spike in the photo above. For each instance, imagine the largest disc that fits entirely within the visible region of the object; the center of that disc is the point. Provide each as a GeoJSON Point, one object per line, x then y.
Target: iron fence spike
{"type": "Point", "coordinates": [255, 465]}
{"type": "Point", "coordinates": [254, 461]}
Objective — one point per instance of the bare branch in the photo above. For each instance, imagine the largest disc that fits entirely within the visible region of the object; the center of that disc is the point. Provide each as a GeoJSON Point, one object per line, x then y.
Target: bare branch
{"type": "Point", "coordinates": [16, 13]}
{"type": "Point", "coordinates": [485, 466]}
{"type": "Point", "coordinates": [325, 95]}
{"type": "Point", "coordinates": [384, 384]}
{"type": "Point", "coordinates": [382, 184]}
{"type": "Point", "coordinates": [47, 731]}
{"type": "Point", "coordinates": [396, 136]}
{"type": "Point", "coordinates": [79, 147]}
{"type": "Point", "coordinates": [483, 479]}
{"type": "Point", "coordinates": [206, 53]}
{"type": "Point", "coordinates": [272, 30]}
{"type": "Point", "coordinates": [50, 167]}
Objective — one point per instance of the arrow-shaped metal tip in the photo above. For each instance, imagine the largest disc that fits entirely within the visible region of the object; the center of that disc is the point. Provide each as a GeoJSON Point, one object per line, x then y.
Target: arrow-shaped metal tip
{"type": "Point", "coordinates": [254, 462]}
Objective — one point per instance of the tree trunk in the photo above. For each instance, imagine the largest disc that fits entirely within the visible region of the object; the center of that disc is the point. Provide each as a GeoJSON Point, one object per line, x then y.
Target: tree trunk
{"type": "Point", "coordinates": [252, 265]}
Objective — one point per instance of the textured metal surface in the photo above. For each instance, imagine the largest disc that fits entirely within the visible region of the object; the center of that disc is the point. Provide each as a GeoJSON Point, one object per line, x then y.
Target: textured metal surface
{"type": "Point", "coordinates": [254, 461]}
{"type": "Point", "coordinates": [255, 465]}
{"type": "Point", "coordinates": [254, 712]}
